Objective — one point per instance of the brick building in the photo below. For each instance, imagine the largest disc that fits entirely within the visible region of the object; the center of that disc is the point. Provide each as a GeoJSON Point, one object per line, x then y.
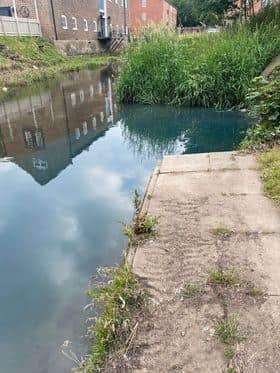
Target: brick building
{"type": "Point", "coordinates": [255, 6]}
{"type": "Point", "coordinates": [146, 12]}
{"type": "Point", "coordinates": [65, 20]}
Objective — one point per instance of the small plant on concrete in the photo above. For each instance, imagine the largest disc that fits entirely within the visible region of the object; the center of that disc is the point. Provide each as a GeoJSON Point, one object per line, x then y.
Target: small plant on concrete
{"type": "Point", "coordinates": [143, 224]}
{"type": "Point", "coordinates": [221, 231]}
{"type": "Point", "coordinates": [254, 292]}
{"type": "Point", "coordinates": [226, 277]}
{"type": "Point", "coordinates": [229, 353]}
{"type": "Point", "coordinates": [190, 290]}
{"type": "Point", "coordinates": [227, 331]}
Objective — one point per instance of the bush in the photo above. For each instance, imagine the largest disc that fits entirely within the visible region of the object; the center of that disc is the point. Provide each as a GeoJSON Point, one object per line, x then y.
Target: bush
{"type": "Point", "coordinates": [263, 101]}
{"type": "Point", "coordinates": [207, 70]}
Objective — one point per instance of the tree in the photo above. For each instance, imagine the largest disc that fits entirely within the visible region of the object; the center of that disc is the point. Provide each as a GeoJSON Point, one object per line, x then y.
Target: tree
{"type": "Point", "coordinates": [195, 12]}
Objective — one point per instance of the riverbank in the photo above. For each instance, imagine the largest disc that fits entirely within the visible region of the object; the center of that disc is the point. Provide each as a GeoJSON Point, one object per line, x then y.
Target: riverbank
{"type": "Point", "coordinates": [212, 271]}
{"type": "Point", "coordinates": [25, 60]}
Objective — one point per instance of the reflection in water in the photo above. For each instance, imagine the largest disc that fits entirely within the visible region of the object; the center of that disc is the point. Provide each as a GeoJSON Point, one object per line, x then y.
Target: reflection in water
{"type": "Point", "coordinates": [45, 132]}
{"type": "Point", "coordinates": [158, 131]}
{"type": "Point", "coordinates": [86, 158]}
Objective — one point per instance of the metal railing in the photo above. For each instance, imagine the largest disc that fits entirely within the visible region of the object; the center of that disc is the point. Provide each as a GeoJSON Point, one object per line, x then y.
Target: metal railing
{"type": "Point", "coordinates": [19, 26]}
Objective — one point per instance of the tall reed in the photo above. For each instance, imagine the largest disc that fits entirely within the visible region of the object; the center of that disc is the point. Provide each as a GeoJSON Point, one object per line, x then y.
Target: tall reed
{"type": "Point", "coordinates": [210, 70]}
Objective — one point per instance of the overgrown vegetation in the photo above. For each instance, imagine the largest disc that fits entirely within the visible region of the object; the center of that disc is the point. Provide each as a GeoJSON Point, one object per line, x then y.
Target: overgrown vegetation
{"type": "Point", "coordinates": [270, 162]}
{"type": "Point", "coordinates": [226, 277]}
{"type": "Point", "coordinates": [142, 224]}
{"type": "Point", "coordinates": [208, 70]}
{"type": "Point", "coordinates": [263, 102]}
{"type": "Point", "coordinates": [25, 60]}
{"type": "Point", "coordinates": [119, 299]}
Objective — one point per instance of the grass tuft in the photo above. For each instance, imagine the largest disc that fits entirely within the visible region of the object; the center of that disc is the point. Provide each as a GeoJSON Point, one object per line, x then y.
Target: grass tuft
{"type": "Point", "coordinates": [119, 299]}
{"type": "Point", "coordinates": [143, 224]}
{"type": "Point", "coordinates": [229, 353]}
{"type": "Point", "coordinates": [221, 231]}
{"type": "Point", "coordinates": [254, 292]}
{"type": "Point", "coordinates": [226, 277]}
{"type": "Point", "coordinates": [270, 163]}
{"type": "Point", "coordinates": [227, 331]}
{"type": "Point", "coordinates": [190, 290]}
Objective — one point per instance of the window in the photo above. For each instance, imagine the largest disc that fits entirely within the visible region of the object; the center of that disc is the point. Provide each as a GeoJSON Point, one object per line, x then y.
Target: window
{"type": "Point", "coordinates": [77, 133]}
{"type": "Point", "coordinates": [144, 17]}
{"type": "Point", "coordinates": [94, 26]}
{"type": "Point", "coordinates": [85, 25]}
{"type": "Point", "coordinates": [82, 96]}
{"type": "Point", "coordinates": [116, 1]}
{"type": "Point", "coordinates": [144, 3]}
{"type": "Point", "coordinates": [74, 21]}
{"type": "Point", "coordinates": [102, 116]}
{"type": "Point", "coordinates": [64, 22]}
{"type": "Point", "coordinates": [85, 128]}
{"type": "Point", "coordinates": [91, 90]}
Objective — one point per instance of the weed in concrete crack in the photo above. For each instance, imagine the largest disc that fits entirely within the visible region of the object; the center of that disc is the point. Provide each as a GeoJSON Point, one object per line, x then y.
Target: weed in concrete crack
{"type": "Point", "coordinates": [227, 331]}
{"type": "Point", "coordinates": [221, 231]}
{"type": "Point", "coordinates": [227, 277]}
{"type": "Point", "coordinates": [143, 224]}
{"type": "Point", "coordinates": [229, 353]}
{"type": "Point", "coordinates": [190, 290]}
{"type": "Point", "coordinates": [254, 292]}
{"type": "Point", "coordinates": [231, 370]}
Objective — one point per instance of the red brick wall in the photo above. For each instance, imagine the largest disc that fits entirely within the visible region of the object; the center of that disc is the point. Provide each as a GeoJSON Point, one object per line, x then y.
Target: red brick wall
{"type": "Point", "coordinates": [83, 10]}
{"type": "Point", "coordinates": [22, 6]}
{"type": "Point", "coordinates": [145, 12]}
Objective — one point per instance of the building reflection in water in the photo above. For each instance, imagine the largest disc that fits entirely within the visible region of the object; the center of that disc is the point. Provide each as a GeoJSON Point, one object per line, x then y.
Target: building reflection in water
{"type": "Point", "coordinates": [44, 132]}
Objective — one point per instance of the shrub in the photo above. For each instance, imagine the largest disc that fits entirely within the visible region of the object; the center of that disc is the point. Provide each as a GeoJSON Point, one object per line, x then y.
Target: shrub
{"type": "Point", "coordinates": [263, 101]}
{"type": "Point", "coordinates": [207, 70]}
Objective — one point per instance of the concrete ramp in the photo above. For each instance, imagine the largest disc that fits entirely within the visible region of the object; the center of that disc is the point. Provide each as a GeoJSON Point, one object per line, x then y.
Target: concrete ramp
{"type": "Point", "coordinates": [195, 196]}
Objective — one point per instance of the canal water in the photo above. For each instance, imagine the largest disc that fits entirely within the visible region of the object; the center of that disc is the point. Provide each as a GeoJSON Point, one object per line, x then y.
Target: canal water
{"type": "Point", "coordinates": [70, 161]}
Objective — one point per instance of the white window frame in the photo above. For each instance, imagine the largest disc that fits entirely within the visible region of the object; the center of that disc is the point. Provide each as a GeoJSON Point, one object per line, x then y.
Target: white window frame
{"type": "Point", "coordinates": [64, 23]}
{"type": "Point", "coordinates": [85, 25]}
{"type": "Point", "coordinates": [144, 3]}
{"type": "Point", "coordinates": [94, 26]}
{"type": "Point", "coordinates": [74, 20]}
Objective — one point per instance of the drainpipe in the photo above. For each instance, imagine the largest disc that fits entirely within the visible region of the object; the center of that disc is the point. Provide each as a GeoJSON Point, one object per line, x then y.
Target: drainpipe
{"type": "Point", "coordinates": [16, 16]}
{"type": "Point", "coordinates": [53, 19]}
{"type": "Point", "coordinates": [106, 19]}
{"type": "Point", "coordinates": [124, 15]}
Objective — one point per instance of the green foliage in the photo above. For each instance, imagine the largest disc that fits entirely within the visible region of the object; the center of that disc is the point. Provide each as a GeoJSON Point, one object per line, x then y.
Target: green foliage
{"type": "Point", "coordinates": [37, 50]}
{"type": "Point", "coordinates": [263, 101]}
{"type": "Point", "coordinates": [190, 290]}
{"type": "Point", "coordinates": [229, 353]}
{"type": "Point", "coordinates": [227, 331]}
{"type": "Point", "coordinates": [221, 231]}
{"type": "Point", "coordinates": [193, 12]}
{"type": "Point", "coordinates": [143, 224]}
{"type": "Point", "coordinates": [207, 70]}
{"type": "Point", "coordinates": [226, 277]}
{"type": "Point", "coordinates": [119, 299]}
{"type": "Point", "coordinates": [270, 162]}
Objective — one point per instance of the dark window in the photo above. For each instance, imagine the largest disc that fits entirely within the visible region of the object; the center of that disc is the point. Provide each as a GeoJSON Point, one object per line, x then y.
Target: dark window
{"type": "Point", "coordinates": [5, 11]}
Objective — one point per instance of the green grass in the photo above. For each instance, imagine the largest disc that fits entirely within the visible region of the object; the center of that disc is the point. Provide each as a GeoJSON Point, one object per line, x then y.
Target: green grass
{"type": "Point", "coordinates": [270, 163]}
{"type": "Point", "coordinates": [190, 290]}
{"type": "Point", "coordinates": [227, 331]}
{"type": "Point", "coordinates": [221, 231]}
{"type": "Point", "coordinates": [254, 292]}
{"type": "Point", "coordinates": [208, 70]}
{"type": "Point", "coordinates": [229, 353]}
{"type": "Point", "coordinates": [42, 54]}
{"type": "Point", "coordinates": [120, 298]}
{"type": "Point", "coordinates": [226, 277]}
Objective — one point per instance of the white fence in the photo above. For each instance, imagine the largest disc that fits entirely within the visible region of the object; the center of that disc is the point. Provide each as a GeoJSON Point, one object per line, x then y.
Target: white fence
{"type": "Point", "coordinates": [20, 26]}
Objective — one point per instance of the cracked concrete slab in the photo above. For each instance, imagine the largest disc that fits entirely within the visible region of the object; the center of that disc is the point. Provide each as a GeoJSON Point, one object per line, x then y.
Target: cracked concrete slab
{"type": "Point", "coordinates": [191, 195]}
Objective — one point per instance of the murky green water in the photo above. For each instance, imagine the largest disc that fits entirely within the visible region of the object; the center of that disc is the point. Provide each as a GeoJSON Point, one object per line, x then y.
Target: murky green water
{"type": "Point", "coordinates": [72, 161]}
